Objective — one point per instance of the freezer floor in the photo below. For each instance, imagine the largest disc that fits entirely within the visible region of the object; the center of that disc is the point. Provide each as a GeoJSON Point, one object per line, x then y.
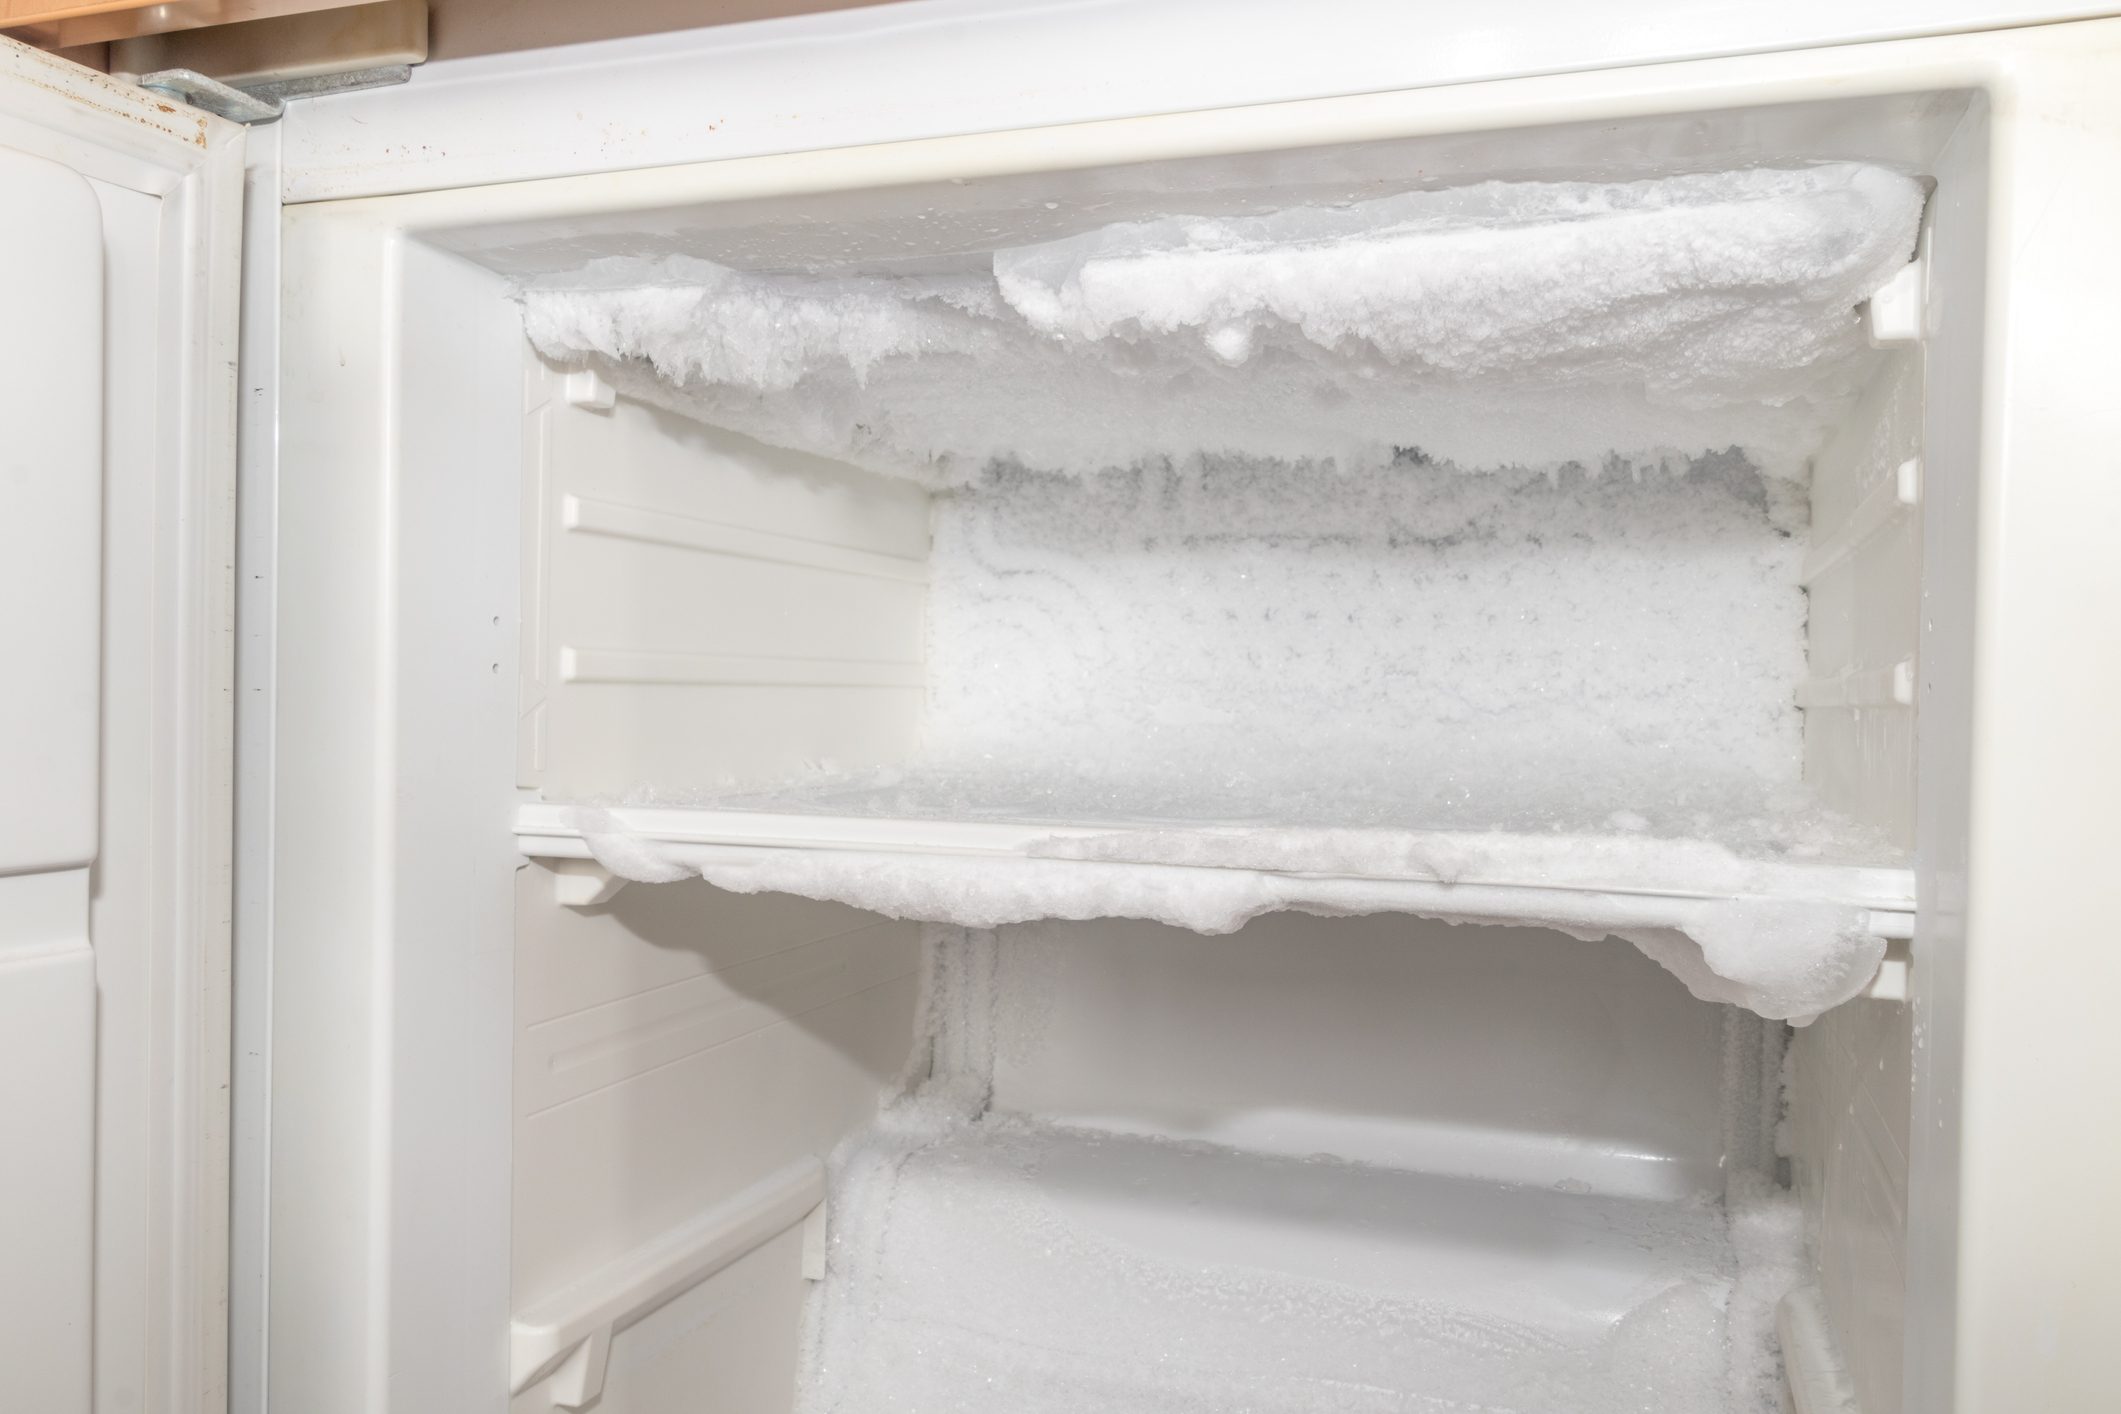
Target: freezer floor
{"type": "Point", "coordinates": [1013, 1268]}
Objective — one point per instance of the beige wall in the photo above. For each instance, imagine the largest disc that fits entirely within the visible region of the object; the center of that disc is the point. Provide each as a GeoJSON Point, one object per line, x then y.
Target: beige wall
{"type": "Point", "coordinates": [460, 28]}
{"type": "Point", "coordinates": [464, 27]}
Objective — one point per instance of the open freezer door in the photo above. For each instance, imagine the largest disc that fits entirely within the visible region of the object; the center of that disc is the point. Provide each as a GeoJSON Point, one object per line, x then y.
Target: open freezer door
{"type": "Point", "coordinates": [119, 227]}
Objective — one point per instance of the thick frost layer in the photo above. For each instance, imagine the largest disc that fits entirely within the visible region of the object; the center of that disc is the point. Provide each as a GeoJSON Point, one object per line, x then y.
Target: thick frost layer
{"type": "Point", "coordinates": [1527, 324]}
{"type": "Point", "coordinates": [1397, 647]}
{"type": "Point", "coordinates": [1697, 286]}
{"type": "Point", "coordinates": [1248, 585]}
{"type": "Point", "coordinates": [1392, 647]}
{"type": "Point", "coordinates": [981, 1263]}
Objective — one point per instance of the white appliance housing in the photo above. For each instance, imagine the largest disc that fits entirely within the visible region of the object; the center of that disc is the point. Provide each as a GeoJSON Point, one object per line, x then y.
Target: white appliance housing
{"type": "Point", "coordinates": [502, 1141]}
{"type": "Point", "coordinates": [401, 569]}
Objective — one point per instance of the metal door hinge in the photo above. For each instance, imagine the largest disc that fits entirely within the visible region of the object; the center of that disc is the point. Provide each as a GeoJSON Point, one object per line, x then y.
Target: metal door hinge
{"type": "Point", "coordinates": [264, 102]}
{"type": "Point", "coordinates": [248, 70]}
{"type": "Point", "coordinates": [191, 86]}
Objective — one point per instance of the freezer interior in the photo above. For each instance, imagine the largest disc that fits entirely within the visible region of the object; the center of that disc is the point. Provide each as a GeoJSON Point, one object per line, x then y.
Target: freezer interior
{"type": "Point", "coordinates": [1212, 782]}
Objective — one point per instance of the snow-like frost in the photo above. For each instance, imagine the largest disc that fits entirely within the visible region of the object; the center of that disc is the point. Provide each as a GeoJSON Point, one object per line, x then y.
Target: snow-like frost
{"type": "Point", "coordinates": [1528, 324]}
{"type": "Point", "coordinates": [1394, 647]}
{"type": "Point", "coordinates": [1698, 286]}
{"type": "Point", "coordinates": [1400, 647]}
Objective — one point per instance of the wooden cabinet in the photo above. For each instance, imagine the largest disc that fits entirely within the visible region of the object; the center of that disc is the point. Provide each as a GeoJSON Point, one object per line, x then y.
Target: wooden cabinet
{"type": "Point", "coordinates": [61, 23]}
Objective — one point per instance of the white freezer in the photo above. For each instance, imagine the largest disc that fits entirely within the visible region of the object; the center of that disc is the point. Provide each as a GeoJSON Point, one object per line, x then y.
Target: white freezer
{"type": "Point", "coordinates": [883, 1103]}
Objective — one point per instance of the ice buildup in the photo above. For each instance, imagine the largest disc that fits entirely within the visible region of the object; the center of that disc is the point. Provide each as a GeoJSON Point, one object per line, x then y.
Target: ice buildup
{"type": "Point", "coordinates": [1290, 544]}
{"type": "Point", "coordinates": [1526, 324]}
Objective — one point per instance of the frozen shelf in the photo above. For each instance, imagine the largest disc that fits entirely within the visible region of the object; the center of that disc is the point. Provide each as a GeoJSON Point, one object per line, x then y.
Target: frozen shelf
{"type": "Point", "coordinates": [1619, 882]}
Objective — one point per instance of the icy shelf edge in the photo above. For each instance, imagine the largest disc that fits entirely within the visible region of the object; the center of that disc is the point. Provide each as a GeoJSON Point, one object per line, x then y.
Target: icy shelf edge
{"type": "Point", "coordinates": [1786, 940]}
{"type": "Point", "coordinates": [1643, 897]}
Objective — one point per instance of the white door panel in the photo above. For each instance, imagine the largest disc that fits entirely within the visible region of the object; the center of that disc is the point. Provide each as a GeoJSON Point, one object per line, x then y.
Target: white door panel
{"type": "Point", "coordinates": [118, 221]}
{"type": "Point", "coordinates": [51, 404]}
{"type": "Point", "coordinates": [47, 1178]}
{"type": "Point", "coordinates": [51, 480]}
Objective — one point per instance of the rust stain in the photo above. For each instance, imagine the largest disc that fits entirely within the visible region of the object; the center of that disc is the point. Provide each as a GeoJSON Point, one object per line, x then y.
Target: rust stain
{"type": "Point", "coordinates": [120, 101]}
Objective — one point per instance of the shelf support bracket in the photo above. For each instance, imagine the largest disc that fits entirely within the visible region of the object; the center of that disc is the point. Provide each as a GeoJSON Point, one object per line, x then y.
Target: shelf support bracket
{"type": "Point", "coordinates": [580, 1377]}
{"type": "Point", "coordinates": [584, 388]}
{"type": "Point", "coordinates": [1891, 983]}
{"type": "Point", "coordinates": [1896, 310]}
{"type": "Point", "coordinates": [582, 883]}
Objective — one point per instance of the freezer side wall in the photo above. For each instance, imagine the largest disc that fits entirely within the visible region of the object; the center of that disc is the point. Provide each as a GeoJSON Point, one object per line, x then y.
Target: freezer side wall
{"type": "Point", "coordinates": [674, 1048]}
{"type": "Point", "coordinates": [2039, 1288]}
{"type": "Point", "coordinates": [701, 609]}
{"type": "Point", "coordinates": [388, 1265]}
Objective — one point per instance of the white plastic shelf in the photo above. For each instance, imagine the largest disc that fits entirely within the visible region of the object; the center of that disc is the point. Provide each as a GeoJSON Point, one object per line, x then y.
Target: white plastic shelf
{"type": "Point", "coordinates": [1438, 873]}
{"type": "Point", "coordinates": [564, 1340]}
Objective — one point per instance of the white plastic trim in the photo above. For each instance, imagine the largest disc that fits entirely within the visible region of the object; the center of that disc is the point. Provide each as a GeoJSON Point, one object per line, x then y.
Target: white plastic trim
{"type": "Point", "coordinates": [647, 665]}
{"type": "Point", "coordinates": [566, 1337]}
{"type": "Point", "coordinates": [589, 516]}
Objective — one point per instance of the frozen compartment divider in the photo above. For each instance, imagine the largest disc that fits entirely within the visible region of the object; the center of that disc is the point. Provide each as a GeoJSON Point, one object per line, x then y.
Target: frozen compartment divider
{"type": "Point", "coordinates": [565, 1338]}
